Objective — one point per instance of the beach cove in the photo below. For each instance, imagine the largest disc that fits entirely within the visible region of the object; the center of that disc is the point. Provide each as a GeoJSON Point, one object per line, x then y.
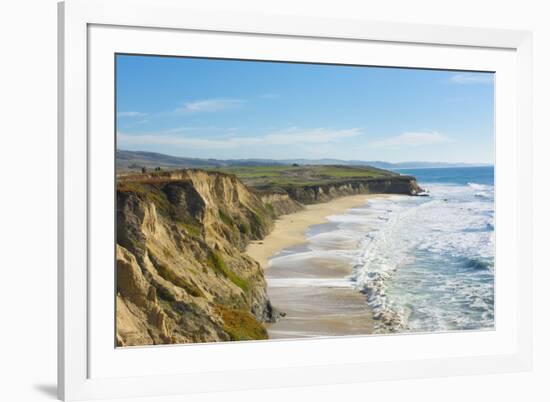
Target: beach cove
{"type": "Point", "coordinates": [316, 295]}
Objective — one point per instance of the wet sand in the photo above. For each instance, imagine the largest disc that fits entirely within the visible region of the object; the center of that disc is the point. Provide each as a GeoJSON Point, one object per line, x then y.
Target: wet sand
{"type": "Point", "coordinates": [315, 294]}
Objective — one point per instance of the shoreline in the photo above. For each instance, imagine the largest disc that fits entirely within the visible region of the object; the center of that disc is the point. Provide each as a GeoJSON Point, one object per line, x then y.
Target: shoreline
{"type": "Point", "coordinates": [289, 230]}
{"type": "Point", "coordinates": [325, 304]}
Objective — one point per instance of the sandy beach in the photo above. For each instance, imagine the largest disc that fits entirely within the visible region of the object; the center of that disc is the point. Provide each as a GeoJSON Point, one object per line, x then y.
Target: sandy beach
{"type": "Point", "coordinates": [290, 229]}
{"type": "Point", "coordinates": [316, 296]}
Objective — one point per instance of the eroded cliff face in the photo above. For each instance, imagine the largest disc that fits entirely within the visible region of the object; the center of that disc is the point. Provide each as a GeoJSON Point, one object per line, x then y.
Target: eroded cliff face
{"type": "Point", "coordinates": [280, 203]}
{"type": "Point", "coordinates": [322, 193]}
{"type": "Point", "coordinates": [182, 275]}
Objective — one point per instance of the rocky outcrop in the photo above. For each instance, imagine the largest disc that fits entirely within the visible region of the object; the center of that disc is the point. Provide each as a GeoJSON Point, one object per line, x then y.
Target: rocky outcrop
{"type": "Point", "coordinates": [312, 194]}
{"type": "Point", "coordinates": [182, 275]}
{"type": "Point", "coordinates": [280, 203]}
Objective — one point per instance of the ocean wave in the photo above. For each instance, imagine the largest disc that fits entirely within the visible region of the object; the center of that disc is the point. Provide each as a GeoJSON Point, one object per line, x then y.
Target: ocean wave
{"type": "Point", "coordinates": [477, 186]}
{"type": "Point", "coordinates": [477, 264]}
{"type": "Point", "coordinates": [482, 194]}
{"type": "Point", "coordinates": [384, 250]}
{"type": "Point", "coordinates": [443, 248]}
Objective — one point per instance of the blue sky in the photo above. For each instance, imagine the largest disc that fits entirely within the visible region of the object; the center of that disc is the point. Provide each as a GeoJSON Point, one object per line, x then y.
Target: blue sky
{"type": "Point", "coordinates": [229, 109]}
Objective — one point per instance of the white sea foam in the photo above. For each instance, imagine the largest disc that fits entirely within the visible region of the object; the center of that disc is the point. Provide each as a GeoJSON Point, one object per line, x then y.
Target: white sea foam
{"type": "Point", "coordinates": [477, 186]}
{"type": "Point", "coordinates": [428, 264]}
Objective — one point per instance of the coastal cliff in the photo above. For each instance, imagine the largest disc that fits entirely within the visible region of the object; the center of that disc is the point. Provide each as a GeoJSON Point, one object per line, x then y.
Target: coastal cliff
{"type": "Point", "coordinates": [312, 194]}
{"type": "Point", "coordinates": [182, 273]}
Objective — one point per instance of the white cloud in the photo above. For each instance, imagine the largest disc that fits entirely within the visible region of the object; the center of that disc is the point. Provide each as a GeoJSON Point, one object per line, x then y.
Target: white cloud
{"type": "Point", "coordinates": [131, 114]}
{"type": "Point", "coordinates": [411, 139]}
{"type": "Point", "coordinates": [472, 78]}
{"type": "Point", "coordinates": [289, 137]}
{"type": "Point", "coordinates": [210, 105]}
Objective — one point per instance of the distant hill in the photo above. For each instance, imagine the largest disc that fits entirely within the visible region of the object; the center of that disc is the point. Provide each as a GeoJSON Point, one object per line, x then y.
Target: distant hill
{"type": "Point", "coordinates": [421, 165]}
{"type": "Point", "coordinates": [139, 159]}
{"type": "Point", "coordinates": [379, 164]}
{"type": "Point", "coordinates": [135, 160]}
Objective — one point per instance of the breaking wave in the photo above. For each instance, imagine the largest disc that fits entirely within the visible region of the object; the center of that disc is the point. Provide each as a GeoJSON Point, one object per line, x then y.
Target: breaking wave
{"type": "Point", "coordinates": [426, 264]}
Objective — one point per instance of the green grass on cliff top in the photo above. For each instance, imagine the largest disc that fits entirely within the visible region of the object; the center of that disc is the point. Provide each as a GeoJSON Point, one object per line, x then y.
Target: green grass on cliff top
{"type": "Point", "coordinates": [279, 176]}
{"type": "Point", "coordinates": [303, 175]}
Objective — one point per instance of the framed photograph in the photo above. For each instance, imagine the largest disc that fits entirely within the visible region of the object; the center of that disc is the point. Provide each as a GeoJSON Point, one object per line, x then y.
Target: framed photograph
{"type": "Point", "coordinates": [254, 201]}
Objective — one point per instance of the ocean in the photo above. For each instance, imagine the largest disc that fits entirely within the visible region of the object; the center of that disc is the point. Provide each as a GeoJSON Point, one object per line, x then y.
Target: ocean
{"type": "Point", "coordinates": [424, 264]}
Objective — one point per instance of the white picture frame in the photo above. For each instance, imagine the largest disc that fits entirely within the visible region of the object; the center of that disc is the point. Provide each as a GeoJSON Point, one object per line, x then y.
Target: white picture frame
{"type": "Point", "coordinates": [91, 32]}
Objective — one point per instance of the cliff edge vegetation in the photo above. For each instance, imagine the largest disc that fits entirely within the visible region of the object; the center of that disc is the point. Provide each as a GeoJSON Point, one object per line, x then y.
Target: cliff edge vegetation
{"type": "Point", "coordinates": [310, 184]}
